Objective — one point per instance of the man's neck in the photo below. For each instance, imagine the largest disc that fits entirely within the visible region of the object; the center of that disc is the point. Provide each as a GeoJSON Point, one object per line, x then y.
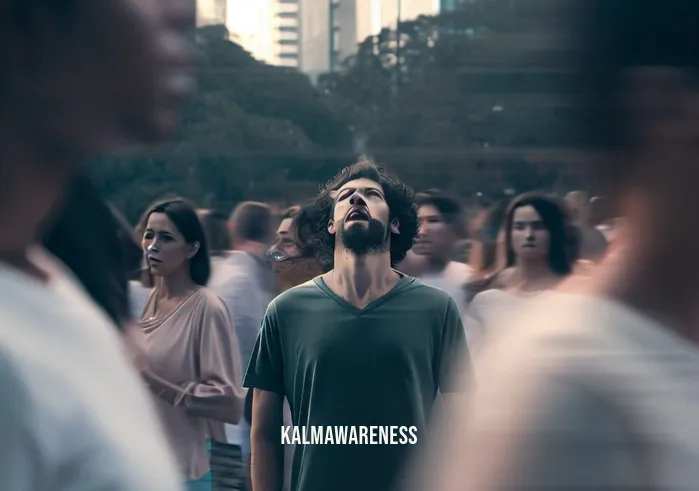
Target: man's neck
{"type": "Point", "coordinates": [361, 279]}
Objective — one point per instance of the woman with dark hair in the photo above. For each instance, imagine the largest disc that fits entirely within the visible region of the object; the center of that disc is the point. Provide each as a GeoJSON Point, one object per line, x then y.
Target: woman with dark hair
{"type": "Point", "coordinates": [194, 366]}
{"type": "Point", "coordinates": [539, 252]}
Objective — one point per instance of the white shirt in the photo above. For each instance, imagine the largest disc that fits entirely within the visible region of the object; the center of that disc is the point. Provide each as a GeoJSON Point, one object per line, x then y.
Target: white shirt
{"type": "Point", "coordinates": [485, 313]}
{"type": "Point", "coordinates": [452, 280]}
{"type": "Point", "coordinates": [585, 393]}
{"type": "Point", "coordinates": [74, 415]}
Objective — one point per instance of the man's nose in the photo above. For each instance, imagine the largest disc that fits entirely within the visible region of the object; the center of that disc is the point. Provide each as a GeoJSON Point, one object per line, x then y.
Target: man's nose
{"type": "Point", "coordinates": [357, 199]}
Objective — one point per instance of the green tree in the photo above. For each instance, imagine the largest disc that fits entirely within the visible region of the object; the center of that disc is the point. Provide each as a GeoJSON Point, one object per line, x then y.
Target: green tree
{"type": "Point", "coordinates": [448, 100]}
{"type": "Point", "coordinates": [252, 131]}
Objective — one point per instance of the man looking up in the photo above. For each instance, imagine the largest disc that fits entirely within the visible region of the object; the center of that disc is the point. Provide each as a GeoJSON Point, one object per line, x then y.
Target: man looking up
{"type": "Point", "coordinates": [361, 345]}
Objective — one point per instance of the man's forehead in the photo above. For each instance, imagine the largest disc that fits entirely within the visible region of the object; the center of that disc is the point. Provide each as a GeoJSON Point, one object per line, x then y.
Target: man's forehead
{"type": "Point", "coordinates": [363, 183]}
{"type": "Point", "coordinates": [428, 210]}
{"type": "Point", "coordinates": [284, 226]}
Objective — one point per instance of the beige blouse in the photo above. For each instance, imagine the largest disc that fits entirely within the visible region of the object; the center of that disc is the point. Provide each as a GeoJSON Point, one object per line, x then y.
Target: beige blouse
{"type": "Point", "coordinates": [194, 370]}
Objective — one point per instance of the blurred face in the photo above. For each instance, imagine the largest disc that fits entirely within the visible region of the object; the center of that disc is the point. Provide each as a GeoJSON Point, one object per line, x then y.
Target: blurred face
{"type": "Point", "coordinates": [285, 249]}
{"type": "Point", "coordinates": [286, 243]}
{"type": "Point", "coordinates": [290, 268]}
{"type": "Point", "coordinates": [101, 73]}
{"type": "Point", "coordinates": [436, 236]}
{"type": "Point", "coordinates": [361, 217]}
{"type": "Point", "coordinates": [165, 248]}
{"type": "Point", "coordinates": [530, 238]}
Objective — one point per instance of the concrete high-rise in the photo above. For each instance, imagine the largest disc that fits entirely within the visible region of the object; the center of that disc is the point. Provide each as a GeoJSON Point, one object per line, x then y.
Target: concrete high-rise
{"type": "Point", "coordinates": [315, 36]}
{"type": "Point", "coordinates": [211, 12]}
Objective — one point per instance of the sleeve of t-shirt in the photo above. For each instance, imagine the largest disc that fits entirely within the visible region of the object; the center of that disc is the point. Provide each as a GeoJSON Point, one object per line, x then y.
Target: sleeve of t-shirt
{"type": "Point", "coordinates": [454, 355]}
{"type": "Point", "coordinates": [266, 370]}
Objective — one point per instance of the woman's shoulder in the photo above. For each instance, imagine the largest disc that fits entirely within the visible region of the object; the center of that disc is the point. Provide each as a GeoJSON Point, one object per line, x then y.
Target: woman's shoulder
{"type": "Point", "coordinates": [210, 300]}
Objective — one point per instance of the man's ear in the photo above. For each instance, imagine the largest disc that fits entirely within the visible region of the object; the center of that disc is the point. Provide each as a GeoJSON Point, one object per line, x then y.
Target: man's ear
{"type": "Point", "coordinates": [395, 226]}
{"type": "Point", "coordinates": [331, 227]}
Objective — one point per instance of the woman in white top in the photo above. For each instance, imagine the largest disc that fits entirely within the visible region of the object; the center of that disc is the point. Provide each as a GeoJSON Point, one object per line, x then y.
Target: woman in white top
{"type": "Point", "coordinates": [540, 250]}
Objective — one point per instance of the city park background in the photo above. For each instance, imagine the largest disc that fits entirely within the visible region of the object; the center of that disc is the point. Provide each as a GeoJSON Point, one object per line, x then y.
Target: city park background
{"type": "Point", "coordinates": [476, 102]}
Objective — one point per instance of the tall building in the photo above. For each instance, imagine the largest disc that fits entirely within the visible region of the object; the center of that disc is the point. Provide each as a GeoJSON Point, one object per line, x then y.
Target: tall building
{"type": "Point", "coordinates": [250, 25]}
{"type": "Point", "coordinates": [330, 31]}
{"type": "Point", "coordinates": [211, 12]}
{"type": "Point", "coordinates": [317, 35]}
{"type": "Point", "coordinates": [392, 10]}
{"type": "Point", "coordinates": [286, 33]}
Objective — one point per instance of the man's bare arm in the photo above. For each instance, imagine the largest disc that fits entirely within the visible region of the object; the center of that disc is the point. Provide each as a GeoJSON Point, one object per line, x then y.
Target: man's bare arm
{"type": "Point", "coordinates": [267, 455]}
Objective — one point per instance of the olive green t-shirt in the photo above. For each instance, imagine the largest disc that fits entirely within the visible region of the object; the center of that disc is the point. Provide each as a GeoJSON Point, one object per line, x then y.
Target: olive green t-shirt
{"type": "Point", "coordinates": [342, 367]}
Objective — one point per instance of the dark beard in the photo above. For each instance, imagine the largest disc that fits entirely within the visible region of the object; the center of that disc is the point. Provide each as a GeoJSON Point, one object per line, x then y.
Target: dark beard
{"type": "Point", "coordinates": [362, 240]}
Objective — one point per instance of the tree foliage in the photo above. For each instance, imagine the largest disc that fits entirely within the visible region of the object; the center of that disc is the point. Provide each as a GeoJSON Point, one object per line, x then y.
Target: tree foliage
{"type": "Point", "coordinates": [249, 129]}
{"type": "Point", "coordinates": [468, 100]}
{"type": "Point", "coordinates": [477, 99]}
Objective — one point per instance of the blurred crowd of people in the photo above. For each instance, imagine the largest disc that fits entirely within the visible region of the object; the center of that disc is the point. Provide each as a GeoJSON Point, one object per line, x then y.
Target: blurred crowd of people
{"type": "Point", "coordinates": [550, 343]}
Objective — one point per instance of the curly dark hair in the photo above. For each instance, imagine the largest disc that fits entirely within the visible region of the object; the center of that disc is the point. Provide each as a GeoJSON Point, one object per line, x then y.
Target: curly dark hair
{"type": "Point", "coordinates": [400, 199]}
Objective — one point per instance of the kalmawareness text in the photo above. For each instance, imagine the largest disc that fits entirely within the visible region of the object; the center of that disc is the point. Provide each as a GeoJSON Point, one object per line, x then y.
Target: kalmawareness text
{"type": "Point", "coordinates": [349, 435]}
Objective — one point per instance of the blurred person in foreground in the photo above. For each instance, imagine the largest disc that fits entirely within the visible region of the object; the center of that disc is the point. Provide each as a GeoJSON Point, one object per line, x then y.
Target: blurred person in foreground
{"type": "Point", "coordinates": [99, 264]}
{"type": "Point", "coordinates": [538, 257]}
{"type": "Point", "coordinates": [243, 278]}
{"type": "Point", "coordinates": [441, 225]}
{"type": "Point", "coordinates": [103, 264]}
{"type": "Point", "coordinates": [361, 345]}
{"type": "Point", "coordinates": [598, 390]}
{"type": "Point", "coordinates": [75, 80]}
{"type": "Point", "coordinates": [193, 363]}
